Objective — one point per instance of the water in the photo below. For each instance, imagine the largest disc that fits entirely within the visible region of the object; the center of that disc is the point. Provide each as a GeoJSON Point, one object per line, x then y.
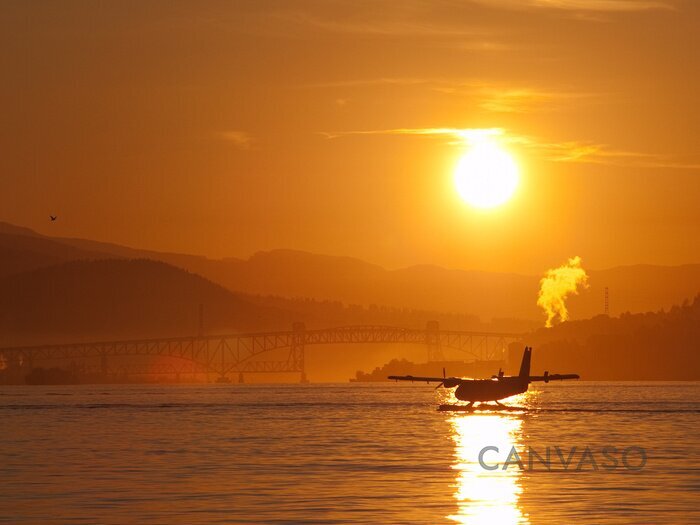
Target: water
{"type": "Point", "coordinates": [346, 453]}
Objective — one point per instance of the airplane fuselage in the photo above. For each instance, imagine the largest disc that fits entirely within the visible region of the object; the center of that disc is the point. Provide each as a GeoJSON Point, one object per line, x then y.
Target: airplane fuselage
{"type": "Point", "coordinates": [498, 387]}
{"type": "Point", "coordinates": [491, 389]}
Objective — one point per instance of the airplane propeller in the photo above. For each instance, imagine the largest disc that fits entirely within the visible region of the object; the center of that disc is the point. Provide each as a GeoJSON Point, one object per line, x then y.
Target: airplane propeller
{"type": "Point", "coordinates": [447, 382]}
{"type": "Point", "coordinates": [442, 383]}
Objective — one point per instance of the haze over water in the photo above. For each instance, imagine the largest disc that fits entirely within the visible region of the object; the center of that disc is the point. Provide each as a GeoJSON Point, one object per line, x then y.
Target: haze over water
{"type": "Point", "coordinates": [341, 453]}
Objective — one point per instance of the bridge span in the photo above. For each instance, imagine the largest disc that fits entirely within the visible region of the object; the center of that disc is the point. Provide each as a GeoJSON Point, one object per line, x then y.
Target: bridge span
{"type": "Point", "coordinates": [240, 353]}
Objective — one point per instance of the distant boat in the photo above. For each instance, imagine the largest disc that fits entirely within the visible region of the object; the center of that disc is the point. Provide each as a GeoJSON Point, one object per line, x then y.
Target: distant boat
{"type": "Point", "coordinates": [477, 368]}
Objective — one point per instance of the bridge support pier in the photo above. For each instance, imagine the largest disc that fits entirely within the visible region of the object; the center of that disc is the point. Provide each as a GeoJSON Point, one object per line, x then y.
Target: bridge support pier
{"type": "Point", "coordinates": [296, 352]}
{"type": "Point", "coordinates": [432, 338]}
{"type": "Point", "coordinates": [241, 380]}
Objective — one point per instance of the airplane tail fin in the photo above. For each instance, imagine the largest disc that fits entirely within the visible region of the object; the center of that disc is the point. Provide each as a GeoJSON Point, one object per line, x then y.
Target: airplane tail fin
{"type": "Point", "coordinates": [525, 364]}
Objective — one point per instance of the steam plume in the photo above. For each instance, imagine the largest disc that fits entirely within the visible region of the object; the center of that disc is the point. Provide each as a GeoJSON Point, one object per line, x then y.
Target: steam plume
{"type": "Point", "coordinates": [557, 285]}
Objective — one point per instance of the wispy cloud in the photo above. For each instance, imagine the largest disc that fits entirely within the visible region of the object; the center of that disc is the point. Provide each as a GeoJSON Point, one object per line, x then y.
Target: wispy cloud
{"type": "Point", "coordinates": [591, 153]}
{"type": "Point", "coordinates": [457, 135]}
{"type": "Point", "coordinates": [407, 19]}
{"type": "Point", "coordinates": [398, 81]}
{"type": "Point", "coordinates": [598, 153]}
{"type": "Point", "coordinates": [581, 5]}
{"type": "Point", "coordinates": [241, 139]}
{"type": "Point", "coordinates": [376, 26]}
{"type": "Point", "coordinates": [508, 99]}
{"type": "Point", "coordinates": [515, 100]}
{"type": "Point", "coordinates": [493, 97]}
{"type": "Point", "coordinates": [564, 151]}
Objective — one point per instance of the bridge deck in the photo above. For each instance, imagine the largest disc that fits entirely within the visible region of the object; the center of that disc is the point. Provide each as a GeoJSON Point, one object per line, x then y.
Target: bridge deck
{"type": "Point", "coordinates": [227, 353]}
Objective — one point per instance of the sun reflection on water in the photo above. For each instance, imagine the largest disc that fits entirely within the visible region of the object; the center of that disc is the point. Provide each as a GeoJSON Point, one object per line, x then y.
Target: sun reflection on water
{"type": "Point", "coordinates": [487, 496]}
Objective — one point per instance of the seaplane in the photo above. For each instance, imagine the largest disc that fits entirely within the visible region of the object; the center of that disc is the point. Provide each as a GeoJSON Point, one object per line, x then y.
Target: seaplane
{"type": "Point", "coordinates": [484, 390]}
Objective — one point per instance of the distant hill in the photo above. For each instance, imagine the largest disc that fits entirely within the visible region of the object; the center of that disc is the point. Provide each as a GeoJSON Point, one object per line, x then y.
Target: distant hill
{"type": "Point", "coordinates": [122, 299]}
{"type": "Point", "coordinates": [644, 346]}
{"type": "Point", "coordinates": [489, 295]}
{"type": "Point", "coordinates": [292, 273]}
{"type": "Point", "coordinates": [19, 253]}
{"type": "Point", "coordinates": [23, 249]}
{"type": "Point", "coordinates": [300, 274]}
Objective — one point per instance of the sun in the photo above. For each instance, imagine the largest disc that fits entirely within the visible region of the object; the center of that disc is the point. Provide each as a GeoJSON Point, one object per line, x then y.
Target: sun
{"type": "Point", "coordinates": [487, 175]}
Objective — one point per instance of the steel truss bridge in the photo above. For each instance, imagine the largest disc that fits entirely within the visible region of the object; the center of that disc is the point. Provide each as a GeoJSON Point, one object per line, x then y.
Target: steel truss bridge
{"type": "Point", "coordinates": [240, 353]}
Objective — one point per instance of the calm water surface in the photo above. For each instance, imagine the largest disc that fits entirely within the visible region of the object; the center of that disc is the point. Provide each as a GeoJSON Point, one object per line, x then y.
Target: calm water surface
{"type": "Point", "coordinates": [346, 453]}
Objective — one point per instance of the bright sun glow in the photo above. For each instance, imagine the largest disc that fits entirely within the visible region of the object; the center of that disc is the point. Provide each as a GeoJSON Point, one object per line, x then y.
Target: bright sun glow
{"type": "Point", "coordinates": [486, 175]}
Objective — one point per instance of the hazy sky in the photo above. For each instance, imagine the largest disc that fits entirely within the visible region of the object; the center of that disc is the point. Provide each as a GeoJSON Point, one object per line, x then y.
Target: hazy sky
{"type": "Point", "coordinates": [224, 128]}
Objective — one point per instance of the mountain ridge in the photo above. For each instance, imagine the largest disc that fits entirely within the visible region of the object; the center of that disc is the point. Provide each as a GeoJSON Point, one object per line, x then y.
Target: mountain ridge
{"type": "Point", "coordinates": [490, 295]}
{"type": "Point", "coordinates": [123, 298]}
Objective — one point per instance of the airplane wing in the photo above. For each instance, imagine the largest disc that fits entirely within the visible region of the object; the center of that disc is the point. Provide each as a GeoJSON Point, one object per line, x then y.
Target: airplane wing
{"type": "Point", "coordinates": [417, 378]}
{"type": "Point", "coordinates": [554, 377]}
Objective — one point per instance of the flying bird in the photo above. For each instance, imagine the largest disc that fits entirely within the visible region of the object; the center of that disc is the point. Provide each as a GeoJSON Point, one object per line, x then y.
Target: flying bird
{"type": "Point", "coordinates": [53, 217]}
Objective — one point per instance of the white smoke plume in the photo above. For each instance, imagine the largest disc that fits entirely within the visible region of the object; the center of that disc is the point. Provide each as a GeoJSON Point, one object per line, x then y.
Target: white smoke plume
{"type": "Point", "coordinates": [557, 285]}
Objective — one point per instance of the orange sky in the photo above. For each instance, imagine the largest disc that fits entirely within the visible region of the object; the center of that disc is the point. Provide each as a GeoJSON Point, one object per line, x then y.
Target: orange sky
{"type": "Point", "coordinates": [223, 128]}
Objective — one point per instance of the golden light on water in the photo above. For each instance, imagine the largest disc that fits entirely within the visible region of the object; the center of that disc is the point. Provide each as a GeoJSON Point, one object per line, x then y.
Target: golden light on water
{"type": "Point", "coordinates": [486, 176]}
{"type": "Point", "coordinates": [487, 496]}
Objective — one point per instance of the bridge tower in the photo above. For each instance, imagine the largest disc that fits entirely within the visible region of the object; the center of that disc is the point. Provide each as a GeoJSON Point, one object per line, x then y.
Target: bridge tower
{"type": "Point", "coordinates": [432, 339]}
{"type": "Point", "coordinates": [607, 304]}
{"type": "Point", "coordinates": [296, 350]}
